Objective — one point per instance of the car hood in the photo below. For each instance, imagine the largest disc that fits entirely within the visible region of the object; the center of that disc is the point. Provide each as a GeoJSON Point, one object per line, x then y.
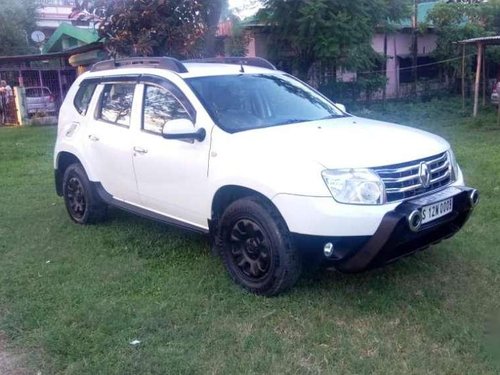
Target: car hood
{"type": "Point", "coordinates": [350, 142]}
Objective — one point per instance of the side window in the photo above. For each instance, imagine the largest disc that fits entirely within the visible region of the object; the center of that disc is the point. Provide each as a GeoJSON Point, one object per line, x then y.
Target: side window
{"type": "Point", "coordinates": [160, 106]}
{"type": "Point", "coordinates": [83, 97]}
{"type": "Point", "coordinates": [116, 103]}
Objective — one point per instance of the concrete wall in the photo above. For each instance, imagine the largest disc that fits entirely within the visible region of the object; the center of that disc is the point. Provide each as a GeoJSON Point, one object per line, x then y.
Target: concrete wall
{"type": "Point", "coordinates": [399, 44]}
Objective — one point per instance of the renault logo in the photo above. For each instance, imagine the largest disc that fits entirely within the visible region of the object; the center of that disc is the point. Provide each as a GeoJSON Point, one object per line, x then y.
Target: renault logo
{"type": "Point", "coordinates": [424, 174]}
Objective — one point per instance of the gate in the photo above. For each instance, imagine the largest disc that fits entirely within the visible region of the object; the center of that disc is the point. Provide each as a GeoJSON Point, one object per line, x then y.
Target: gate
{"type": "Point", "coordinates": [8, 108]}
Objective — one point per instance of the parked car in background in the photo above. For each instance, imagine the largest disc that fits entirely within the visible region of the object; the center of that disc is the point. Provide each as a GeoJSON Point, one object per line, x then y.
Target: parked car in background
{"type": "Point", "coordinates": [40, 100]}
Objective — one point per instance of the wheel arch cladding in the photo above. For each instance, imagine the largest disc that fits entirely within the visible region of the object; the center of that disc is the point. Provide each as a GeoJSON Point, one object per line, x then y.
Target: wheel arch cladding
{"type": "Point", "coordinates": [64, 160]}
{"type": "Point", "coordinates": [231, 193]}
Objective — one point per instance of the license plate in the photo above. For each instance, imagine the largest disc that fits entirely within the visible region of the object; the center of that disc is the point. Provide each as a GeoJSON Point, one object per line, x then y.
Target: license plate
{"type": "Point", "coordinates": [436, 210]}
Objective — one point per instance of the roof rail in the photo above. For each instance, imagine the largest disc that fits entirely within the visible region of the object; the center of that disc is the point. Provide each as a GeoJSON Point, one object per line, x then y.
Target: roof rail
{"type": "Point", "coordinates": [147, 62]}
{"type": "Point", "coordinates": [250, 61]}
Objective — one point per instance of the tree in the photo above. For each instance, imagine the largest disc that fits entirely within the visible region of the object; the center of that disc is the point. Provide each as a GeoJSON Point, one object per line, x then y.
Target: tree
{"type": "Point", "coordinates": [154, 27]}
{"type": "Point", "coordinates": [180, 28]}
{"type": "Point", "coordinates": [237, 43]}
{"type": "Point", "coordinates": [17, 22]}
{"type": "Point", "coordinates": [334, 32]}
{"type": "Point", "coordinates": [212, 13]}
{"type": "Point", "coordinates": [459, 20]}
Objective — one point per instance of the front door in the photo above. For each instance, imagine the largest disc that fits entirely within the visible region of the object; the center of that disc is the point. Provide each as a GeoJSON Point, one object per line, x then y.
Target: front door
{"type": "Point", "coordinates": [171, 174]}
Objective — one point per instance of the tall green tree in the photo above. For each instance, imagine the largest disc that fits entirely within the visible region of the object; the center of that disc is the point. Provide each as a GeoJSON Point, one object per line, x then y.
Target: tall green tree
{"type": "Point", "coordinates": [337, 32]}
{"type": "Point", "coordinates": [458, 21]}
{"type": "Point", "coordinates": [17, 22]}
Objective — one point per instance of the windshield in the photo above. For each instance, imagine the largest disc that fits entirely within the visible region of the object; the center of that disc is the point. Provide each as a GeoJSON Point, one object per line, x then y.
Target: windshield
{"type": "Point", "coordinates": [250, 101]}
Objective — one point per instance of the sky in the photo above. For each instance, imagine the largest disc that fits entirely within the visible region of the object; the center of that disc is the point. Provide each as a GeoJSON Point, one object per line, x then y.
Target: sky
{"type": "Point", "coordinates": [244, 8]}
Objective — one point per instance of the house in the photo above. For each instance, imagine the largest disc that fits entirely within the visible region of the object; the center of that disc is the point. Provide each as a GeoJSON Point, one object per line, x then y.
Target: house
{"type": "Point", "coordinates": [53, 13]}
{"type": "Point", "coordinates": [399, 51]}
{"type": "Point", "coordinates": [67, 37]}
{"type": "Point", "coordinates": [67, 47]}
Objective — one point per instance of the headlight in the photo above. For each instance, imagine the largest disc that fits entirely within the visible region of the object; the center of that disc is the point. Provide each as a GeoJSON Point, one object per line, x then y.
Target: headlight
{"type": "Point", "coordinates": [355, 186]}
{"type": "Point", "coordinates": [453, 165]}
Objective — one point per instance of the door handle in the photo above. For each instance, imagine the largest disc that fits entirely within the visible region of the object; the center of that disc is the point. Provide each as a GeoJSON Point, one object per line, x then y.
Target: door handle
{"type": "Point", "coordinates": [93, 138]}
{"type": "Point", "coordinates": [140, 150]}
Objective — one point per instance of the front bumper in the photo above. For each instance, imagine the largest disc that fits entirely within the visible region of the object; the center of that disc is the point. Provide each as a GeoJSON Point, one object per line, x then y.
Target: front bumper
{"type": "Point", "coordinates": [393, 239]}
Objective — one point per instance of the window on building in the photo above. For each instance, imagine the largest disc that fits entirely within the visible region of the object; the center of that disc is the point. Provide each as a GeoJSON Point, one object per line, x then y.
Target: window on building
{"type": "Point", "coordinates": [426, 68]}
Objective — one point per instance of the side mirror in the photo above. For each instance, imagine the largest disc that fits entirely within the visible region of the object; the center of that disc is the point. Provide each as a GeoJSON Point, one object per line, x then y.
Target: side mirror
{"type": "Point", "coordinates": [341, 107]}
{"type": "Point", "coordinates": [183, 129]}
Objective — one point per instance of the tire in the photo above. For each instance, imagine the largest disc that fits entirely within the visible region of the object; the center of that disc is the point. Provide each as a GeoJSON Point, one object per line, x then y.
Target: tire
{"type": "Point", "coordinates": [82, 203]}
{"type": "Point", "coordinates": [256, 247]}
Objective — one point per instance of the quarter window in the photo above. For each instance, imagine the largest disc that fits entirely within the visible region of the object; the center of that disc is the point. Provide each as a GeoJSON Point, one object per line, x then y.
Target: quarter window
{"type": "Point", "coordinates": [84, 96]}
{"type": "Point", "coordinates": [160, 106]}
{"type": "Point", "coordinates": [116, 103]}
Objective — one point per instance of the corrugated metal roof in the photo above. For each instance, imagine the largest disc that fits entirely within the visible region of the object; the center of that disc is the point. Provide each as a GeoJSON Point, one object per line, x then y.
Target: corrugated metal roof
{"type": "Point", "coordinates": [495, 39]}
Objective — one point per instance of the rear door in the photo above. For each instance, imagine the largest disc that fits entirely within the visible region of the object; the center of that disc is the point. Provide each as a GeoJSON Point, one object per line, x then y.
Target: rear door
{"type": "Point", "coordinates": [109, 139]}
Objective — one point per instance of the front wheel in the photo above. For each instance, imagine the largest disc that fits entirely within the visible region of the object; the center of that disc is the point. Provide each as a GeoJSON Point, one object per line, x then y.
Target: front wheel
{"type": "Point", "coordinates": [82, 203]}
{"type": "Point", "coordinates": [256, 247]}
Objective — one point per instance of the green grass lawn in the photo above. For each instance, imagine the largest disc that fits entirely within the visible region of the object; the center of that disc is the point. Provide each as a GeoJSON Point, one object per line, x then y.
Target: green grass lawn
{"type": "Point", "coordinates": [73, 297]}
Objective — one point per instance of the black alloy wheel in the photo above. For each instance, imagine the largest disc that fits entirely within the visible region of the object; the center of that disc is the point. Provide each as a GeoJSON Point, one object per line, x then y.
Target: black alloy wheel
{"type": "Point", "coordinates": [256, 247]}
{"type": "Point", "coordinates": [250, 249]}
{"type": "Point", "coordinates": [75, 197]}
{"type": "Point", "coordinates": [82, 202]}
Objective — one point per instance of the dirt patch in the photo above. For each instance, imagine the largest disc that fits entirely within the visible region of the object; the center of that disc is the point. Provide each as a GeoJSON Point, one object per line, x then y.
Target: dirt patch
{"type": "Point", "coordinates": [10, 363]}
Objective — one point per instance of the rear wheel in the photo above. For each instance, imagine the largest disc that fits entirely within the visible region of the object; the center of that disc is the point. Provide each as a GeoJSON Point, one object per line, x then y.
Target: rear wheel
{"type": "Point", "coordinates": [256, 247]}
{"type": "Point", "coordinates": [82, 203]}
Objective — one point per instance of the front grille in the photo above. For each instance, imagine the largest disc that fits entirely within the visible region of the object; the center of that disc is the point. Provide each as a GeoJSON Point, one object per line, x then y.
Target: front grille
{"type": "Point", "coordinates": [402, 181]}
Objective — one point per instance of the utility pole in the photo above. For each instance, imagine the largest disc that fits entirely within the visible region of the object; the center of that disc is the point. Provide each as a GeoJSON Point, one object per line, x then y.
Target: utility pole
{"type": "Point", "coordinates": [414, 47]}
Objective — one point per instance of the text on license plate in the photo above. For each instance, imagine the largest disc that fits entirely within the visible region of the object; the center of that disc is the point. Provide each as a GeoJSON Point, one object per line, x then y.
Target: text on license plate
{"type": "Point", "coordinates": [436, 210]}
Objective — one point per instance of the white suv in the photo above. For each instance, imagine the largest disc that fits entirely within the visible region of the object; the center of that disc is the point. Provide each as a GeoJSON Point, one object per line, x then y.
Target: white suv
{"type": "Point", "coordinates": [273, 171]}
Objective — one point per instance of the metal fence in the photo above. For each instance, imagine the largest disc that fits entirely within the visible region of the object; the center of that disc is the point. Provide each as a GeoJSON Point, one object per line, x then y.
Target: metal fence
{"type": "Point", "coordinates": [58, 82]}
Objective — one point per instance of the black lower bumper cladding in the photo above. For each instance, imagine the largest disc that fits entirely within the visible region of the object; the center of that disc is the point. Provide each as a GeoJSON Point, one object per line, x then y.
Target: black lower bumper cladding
{"type": "Point", "coordinates": [393, 239]}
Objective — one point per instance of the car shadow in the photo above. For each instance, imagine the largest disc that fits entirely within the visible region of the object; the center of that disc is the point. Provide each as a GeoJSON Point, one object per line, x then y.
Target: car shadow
{"type": "Point", "coordinates": [408, 280]}
{"type": "Point", "coordinates": [153, 239]}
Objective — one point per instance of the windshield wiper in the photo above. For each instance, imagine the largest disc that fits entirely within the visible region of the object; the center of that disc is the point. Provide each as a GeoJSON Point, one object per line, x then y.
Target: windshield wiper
{"type": "Point", "coordinates": [332, 116]}
{"type": "Point", "coordinates": [297, 120]}
{"type": "Point", "coordinates": [292, 121]}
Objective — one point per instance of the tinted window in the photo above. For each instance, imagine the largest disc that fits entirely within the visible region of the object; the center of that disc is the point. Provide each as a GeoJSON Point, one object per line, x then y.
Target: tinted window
{"type": "Point", "coordinates": [116, 103]}
{"type": "Point", "coordinates": [249, 101]}
{"type": "Point", "coordinates": [160, 106]}
{"type": "Point", "coordinates": [84, 96]}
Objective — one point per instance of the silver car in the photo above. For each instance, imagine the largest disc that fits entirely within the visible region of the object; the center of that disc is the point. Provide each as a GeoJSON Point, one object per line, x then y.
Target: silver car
{"type": "Point", "coordinates": [39, 100]}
